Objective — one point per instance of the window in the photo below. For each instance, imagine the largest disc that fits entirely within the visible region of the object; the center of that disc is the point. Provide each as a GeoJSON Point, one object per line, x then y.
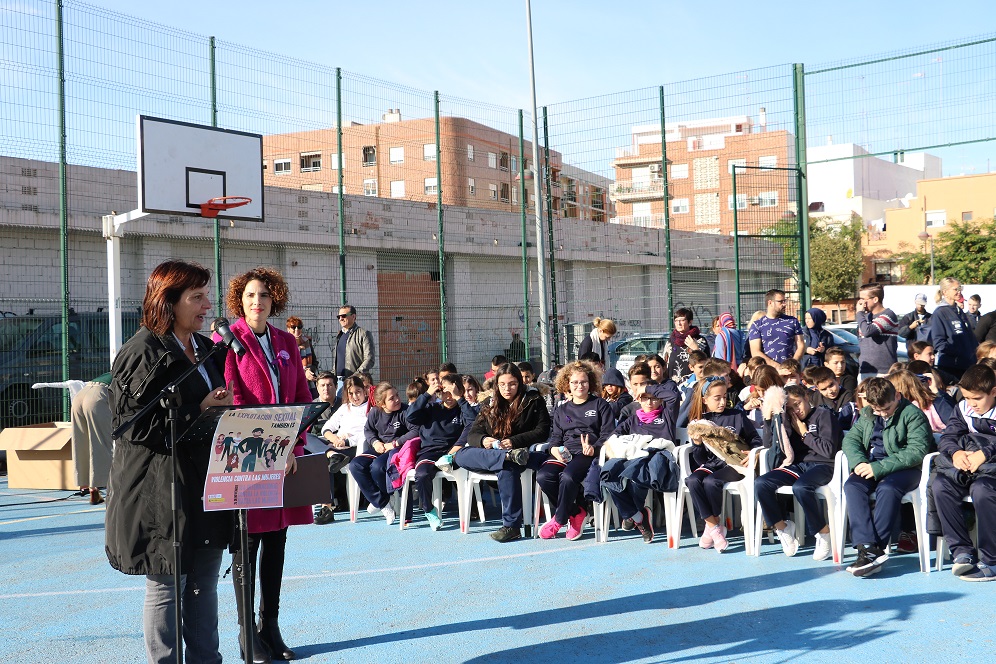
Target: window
{"type": "Point", "coordinates": [397, 188]}
{"type": "Point", "coordinates": [311, 162]}
{"type": "Point", "coordinates": [641, 214]}
{"type": "Point", "coordinates": [767, 162]}
{"type": "Point", "coordinates": [504, 192]}
{"type": "Point", "coordinates": [493, 192]}
{"type": "Point", "coordinates": [679, 206]}
{"type": "Point", "coordinates": [936, 217]}
{"type": "Point", "coordinates": [470, 152]}
{"type": "Point", "coordinates": [741, 202]}
{"type": "Point", "coordinates": [736, 162]}
{"type": "Point", "coordinates": [369, 155]}
{"type": "Point", "coordinates": [966, 216]}
{"type": "Point", "coordinates": [397, 155]}
{"type": "Point", "coordinates": [370, 187]}
{"type": "Point", "coordinates": [705, 173]}
{"type": "Point", "coordinates": [515, 167]}
{"type": "Point", "coordinates": [429, 152]}
{"type": "Point", "coordinates": [888, 272]}
{"type": "Point", "coordinates": [281, 166]}
{"type": "Point", "coordinates": [431, 188]}
{"type": "Point", "coordinates": [471, 187]}
{"type": "Point", "coordinates": [768, 199]}
{"type": "Point", "coordinates": [492, 160]}
{"type": "Point", "coordinates": [679, 171]}
{"type": "Point", "coordinates": [503, 161]}
{"type": "Point", "coordinates": [515, 194]}
{"type": "Point", "coordinates": [335, 161]}
{"type": "Point", "coordinates": [597, 198]}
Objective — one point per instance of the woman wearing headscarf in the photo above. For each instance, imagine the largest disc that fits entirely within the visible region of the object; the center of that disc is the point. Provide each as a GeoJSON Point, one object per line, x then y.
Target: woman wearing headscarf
{"type": "Point", "coordinates": [731, 343]}
{"type": "Point", "coordinates": [817, 339]}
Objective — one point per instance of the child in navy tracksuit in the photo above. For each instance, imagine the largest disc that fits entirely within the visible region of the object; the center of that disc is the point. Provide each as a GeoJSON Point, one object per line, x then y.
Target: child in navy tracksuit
{"type": "Point", "coordinates": [386, 430]}
{"type": "Point", "coordinates": [658, 409]}
{"type": "Point", "coordinates": [966, 467]}
{"type": "Point", "coordinates": [580, 425]}
{"type": "Point", "coordinates": [815, 436]}
{"type": "Point", "coordinates": [705, 483]}
{"type": "Point", "coordinates": [439, 425]}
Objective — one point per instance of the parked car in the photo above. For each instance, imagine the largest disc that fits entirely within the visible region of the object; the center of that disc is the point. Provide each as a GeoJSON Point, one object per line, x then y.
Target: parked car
{"type": "Point", "coordinates": [846, 336]}
{"type": "Point", "coordinates": [622, 353]}
{"type": "Point", "coordinates": [31, 352]}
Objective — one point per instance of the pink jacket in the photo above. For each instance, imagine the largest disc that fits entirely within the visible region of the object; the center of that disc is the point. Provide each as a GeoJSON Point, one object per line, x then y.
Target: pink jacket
{"type": "Point", "coordinates": [251, 386]}
{"type": "Point", "coordinates": [402, 462]}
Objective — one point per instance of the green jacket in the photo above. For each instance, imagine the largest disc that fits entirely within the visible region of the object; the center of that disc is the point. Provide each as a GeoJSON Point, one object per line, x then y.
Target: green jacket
{"type": "Point", "coordinates": [907, 439]}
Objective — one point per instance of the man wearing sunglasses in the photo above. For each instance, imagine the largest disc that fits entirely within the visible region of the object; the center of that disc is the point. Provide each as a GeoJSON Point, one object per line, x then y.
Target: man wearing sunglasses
{"type": "Point", "coordinates": [353, 349]}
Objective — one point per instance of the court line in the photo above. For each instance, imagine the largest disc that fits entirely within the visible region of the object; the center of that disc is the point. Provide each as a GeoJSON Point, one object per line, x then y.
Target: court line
{"type": "Point", "coordinates": [379, 570]}
{"type": "Point", "coordinates": [51, 516]}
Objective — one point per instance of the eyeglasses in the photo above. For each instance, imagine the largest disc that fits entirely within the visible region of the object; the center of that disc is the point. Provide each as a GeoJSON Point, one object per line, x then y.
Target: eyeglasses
{"type": "Point", "coordinates": [295, 327]}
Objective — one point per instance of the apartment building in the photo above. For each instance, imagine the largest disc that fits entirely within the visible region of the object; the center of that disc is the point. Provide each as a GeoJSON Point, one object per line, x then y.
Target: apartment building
{"type": "Point", "coordinates": [701, 156]}
{"type": "Point", "coordinates": [396, 158]}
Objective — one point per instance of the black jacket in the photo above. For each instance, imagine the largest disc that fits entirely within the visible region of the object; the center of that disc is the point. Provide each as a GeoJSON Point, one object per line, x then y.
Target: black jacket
{"type": "Point", "coordinates": [139, 522]}
{"type": "Point", "coordinates": [531, 427]}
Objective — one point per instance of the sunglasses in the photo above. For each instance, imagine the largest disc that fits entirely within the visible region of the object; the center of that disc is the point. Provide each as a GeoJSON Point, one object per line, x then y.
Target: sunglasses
{"type": "Point", "coordinates": [295, 327]}
{"type": "Point", "coordinates": [341, 316]}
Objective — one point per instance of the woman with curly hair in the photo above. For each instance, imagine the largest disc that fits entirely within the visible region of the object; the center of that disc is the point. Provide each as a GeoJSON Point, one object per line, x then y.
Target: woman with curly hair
{"type": "Point", "coordinates": [270, 372]}
{"type": "Point", "coordinates": [580, 425]}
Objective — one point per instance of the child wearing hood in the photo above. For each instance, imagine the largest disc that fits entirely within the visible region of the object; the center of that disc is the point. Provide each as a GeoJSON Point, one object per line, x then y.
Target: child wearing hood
{"type": "Point", "coordinates": [817, 338]}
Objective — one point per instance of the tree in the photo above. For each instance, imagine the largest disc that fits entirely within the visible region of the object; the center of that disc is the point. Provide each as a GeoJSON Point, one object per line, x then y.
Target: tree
{"type": "Point", "coordinates": [965, 251]}
{"type": "Point", "coordinates": [836, 261]}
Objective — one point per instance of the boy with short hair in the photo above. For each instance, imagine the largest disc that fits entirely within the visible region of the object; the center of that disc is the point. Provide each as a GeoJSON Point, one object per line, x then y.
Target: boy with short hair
{"type": "Point", "coordinates": [884, 449]}
{"type": "Point", "coordinates": [528, 373]}
{"type": "Point", "coordinates": [965, 468]}
{"type": "Point", "coordinates": [790, 371]}
{"type": "Point", "coordinates": [835, 358]}
{"type": "Point", "coordinates": [696, 362]}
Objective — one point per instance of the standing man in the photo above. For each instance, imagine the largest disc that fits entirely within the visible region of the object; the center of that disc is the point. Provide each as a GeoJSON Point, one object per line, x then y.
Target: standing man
{"type": "Point", "coordinates": [776, 337]}
{"type": "Point", "coordinates": [353, 350]}
{"type": "Point", "coordinates": [877, 331]}
{"type": "Point", "coordinates": [915, 326]}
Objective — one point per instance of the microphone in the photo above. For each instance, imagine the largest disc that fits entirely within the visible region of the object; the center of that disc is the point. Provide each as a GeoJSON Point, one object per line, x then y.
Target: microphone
{"type": "Point", "coordinates": [228, 337]}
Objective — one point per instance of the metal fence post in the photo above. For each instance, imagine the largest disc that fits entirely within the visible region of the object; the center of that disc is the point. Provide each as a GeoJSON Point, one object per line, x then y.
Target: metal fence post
{"type": "Point", "coordinates": [799, 96]}
{"type": "Point", "coordinates": [555, 332]}
{"type": "Point", "coordinates": [439, 234]}
{"type": "Point", "coordinates": [667, 213]}
{"type": "Point", "coordinates": [525, 238]}
{"type": "Point", "coordinates": [63, 204]}
{"type": "Point", "coordinates": [736, 248]}
{"type": "Point", "coordinates": [217, 222]}
{"type": "Point", "coordinates": [340, 193]}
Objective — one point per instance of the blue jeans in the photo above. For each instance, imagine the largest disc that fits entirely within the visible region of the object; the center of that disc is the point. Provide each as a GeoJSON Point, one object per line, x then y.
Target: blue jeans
{"type": "Point", "coordinates": [199, 592]}
{"type": "Point", "coordinates": [874, 528]}
{"type": "Point", "coordinates": [481, 460]}
{"type": "Point", "coordinates": [370, 473]}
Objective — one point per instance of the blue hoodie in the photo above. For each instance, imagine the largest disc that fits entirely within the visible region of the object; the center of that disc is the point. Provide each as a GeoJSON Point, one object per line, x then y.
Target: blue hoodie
{"type": "Point", "coordinates": [814, 336]}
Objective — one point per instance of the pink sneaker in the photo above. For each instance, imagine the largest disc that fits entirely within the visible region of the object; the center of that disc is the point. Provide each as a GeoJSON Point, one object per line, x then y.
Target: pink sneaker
{"type": "Point", "coordinates": [550, 529]}
{"type": "Point", "coordinates": [706, 541]}
{"type": "Point", "coordinates": [719, 538]}
{"type": "Point", "coordinates": [575, 525]}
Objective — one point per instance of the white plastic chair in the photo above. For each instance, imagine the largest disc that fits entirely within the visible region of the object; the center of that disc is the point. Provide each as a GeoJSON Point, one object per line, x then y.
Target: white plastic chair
{"type": "Point", "coordinates": [743, 488]}
{"type": "Point", "coordinates": [831, 493]}
{"type": "Point", "coordinates": [606, 514]}
{"type": "Point", "coordinates": [458, 476]}
{"type": "Point", "coordinates": [473, 491]}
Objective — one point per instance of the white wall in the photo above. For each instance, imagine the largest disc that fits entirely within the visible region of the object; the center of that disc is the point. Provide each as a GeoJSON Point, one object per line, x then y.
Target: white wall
{"type": "Point", "coordinates": [900, 298]}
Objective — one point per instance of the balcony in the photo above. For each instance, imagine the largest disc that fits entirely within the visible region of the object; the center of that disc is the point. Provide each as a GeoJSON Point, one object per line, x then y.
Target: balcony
{"type": "Point", "coordinates": [646, 190]}
{"type": "Point", "coordinates": [646, 221]}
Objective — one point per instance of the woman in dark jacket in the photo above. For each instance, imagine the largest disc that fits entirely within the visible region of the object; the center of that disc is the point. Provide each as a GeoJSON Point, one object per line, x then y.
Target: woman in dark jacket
{"type": "Point", "coordinates": [950, 332]}
{"type": "Point", "coordinates": [513, 419]}
{"type": "Point", "coordinates": [139, 525]}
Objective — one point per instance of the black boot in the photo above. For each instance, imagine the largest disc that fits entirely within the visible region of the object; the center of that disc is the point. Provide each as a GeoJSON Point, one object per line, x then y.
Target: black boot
{"type": "Point", "coordinates": [269, 634]}
{"type": "Point", "coordinates": [260, 655]}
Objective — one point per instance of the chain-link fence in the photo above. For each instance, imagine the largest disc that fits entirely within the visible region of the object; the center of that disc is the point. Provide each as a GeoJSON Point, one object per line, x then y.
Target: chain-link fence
{"type": "Point", "coordinates": [419, 208]}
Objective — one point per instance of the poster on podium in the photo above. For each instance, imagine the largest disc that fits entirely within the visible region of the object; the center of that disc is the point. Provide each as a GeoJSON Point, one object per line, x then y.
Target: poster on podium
{"type": "Point", "coordinates": [249, 452]}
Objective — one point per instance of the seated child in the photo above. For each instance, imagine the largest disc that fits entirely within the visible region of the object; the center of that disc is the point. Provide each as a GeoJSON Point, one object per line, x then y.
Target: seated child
{"type": "Point", "coordinates": [471, 391]}
{"type": "Point", "coordinates": [836, 358]}
{"type": "Point", "coordinates": [712, 367]}
{"type": "Point", "coordinates": [658, 407]}
{"type": "Point", "coordinates": [614, 391]}
{"type": "Point", "coordinates": [765, 377]}
{"type": "Point", "coordinates": [937, 407]}
{"type": "Point", "coordinates": [696, 362]}
{"type": "Point", "coordinates": [344, 432]}
{"type": "Point", "coordinates": [790, 372]}
{"type": "Point", "coordinates": [965, 467]}
{"type": "Point", "coordinates": [814, 434]}
{"type": "Point", "coordinates": [705, 483]}
{"type": "Point", "coordinates": [830, 394]}
{"type": "Point", "coordinates": [751, 366]}
{"type": "Point", "coordinates": [639, 380]}
{"type": "Point", "coordinates": [885, 449]}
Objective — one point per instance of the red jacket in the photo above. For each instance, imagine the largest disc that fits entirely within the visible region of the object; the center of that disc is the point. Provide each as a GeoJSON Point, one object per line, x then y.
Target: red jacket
{"type": "Point", "coordinates": [251, 386]}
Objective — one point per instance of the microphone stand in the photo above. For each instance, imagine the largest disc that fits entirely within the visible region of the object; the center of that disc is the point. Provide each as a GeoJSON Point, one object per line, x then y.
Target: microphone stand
{"type": "Point", "coordinates": [169, 399]}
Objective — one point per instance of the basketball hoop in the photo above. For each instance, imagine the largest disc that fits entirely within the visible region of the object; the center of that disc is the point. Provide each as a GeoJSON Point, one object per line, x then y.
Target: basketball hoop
{"type": "Point", "coordinates": [216, 205]}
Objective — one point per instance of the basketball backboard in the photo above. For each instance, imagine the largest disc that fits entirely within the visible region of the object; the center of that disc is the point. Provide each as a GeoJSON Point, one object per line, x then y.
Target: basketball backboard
{"type": "Point", "coordinates": [183, 165]}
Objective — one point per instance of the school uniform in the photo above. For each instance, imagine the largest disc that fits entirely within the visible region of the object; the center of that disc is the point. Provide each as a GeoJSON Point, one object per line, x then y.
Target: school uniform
{"type": "Point", "coordinates": [811, 468]}
{"type": "Point", "coordinates": [439, 428]}
{"type": "Point", "coordinates": [629, 498]}
{"type": "Point", "coordinates": [560, 482]}
{"type": "Point", "coordinates": [705, 483]}
{"type": "Point", "coordinates": [970, 432]}
{"type": "Point", "coordinates": [617, 406]}
{"type": "Point", "coordinates": [369, 469]}
{"type": "Point", "coordinates": [894, 448]}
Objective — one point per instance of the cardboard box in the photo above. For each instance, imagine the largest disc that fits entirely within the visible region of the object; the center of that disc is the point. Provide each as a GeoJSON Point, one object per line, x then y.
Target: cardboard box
{"type": "Point", "coordinates": [40, 456]}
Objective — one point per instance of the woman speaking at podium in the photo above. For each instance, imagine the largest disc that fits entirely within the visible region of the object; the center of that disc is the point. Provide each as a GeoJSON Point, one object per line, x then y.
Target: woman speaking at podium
{"type": "Point", "coordinates": [269, 373]}
{"type": "Point", "coordinates": [139, 522]}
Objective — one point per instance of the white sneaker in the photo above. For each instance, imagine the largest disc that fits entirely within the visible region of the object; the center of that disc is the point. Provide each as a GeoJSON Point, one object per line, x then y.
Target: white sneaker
{"type": "Point", "coordinates": [388, 513]}
{"type": "Point", "coordinates": [372, 509]}
{"type": "Point", "coordinates": [787, 537]}
{"type": "Point", "coordinates": [822, 551]}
